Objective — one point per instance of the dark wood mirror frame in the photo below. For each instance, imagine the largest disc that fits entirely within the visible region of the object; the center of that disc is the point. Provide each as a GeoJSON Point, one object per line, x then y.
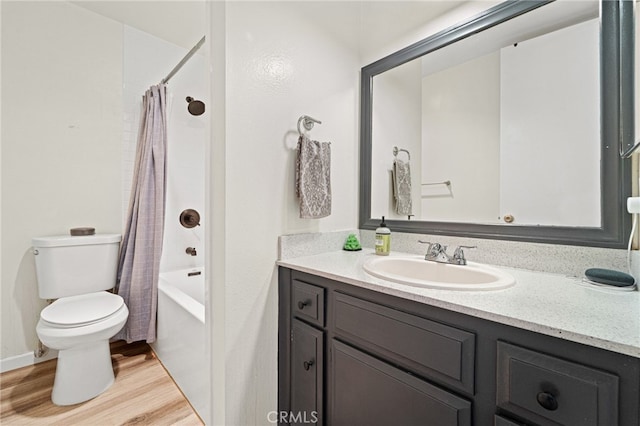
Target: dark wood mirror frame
{"type": "Point", "coordinates": [617, 127]}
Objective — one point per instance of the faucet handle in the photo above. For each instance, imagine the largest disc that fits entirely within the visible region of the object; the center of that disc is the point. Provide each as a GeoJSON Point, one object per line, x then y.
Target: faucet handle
{"type": "Point", "coordinates": [430, 244]}
{"type": "Point", "coordinates": [458, 254]}
{"type": "Point", "coordinates": [434, 249]}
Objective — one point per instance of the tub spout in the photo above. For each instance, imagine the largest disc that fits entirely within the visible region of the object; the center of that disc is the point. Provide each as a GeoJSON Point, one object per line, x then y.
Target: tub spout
{"type": "Point", "coordinates": [191, 251]}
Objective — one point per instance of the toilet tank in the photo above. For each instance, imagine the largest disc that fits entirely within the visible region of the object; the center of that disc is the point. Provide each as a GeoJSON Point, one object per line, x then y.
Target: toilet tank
{"type": "Point", "coordinates": [69, 266]}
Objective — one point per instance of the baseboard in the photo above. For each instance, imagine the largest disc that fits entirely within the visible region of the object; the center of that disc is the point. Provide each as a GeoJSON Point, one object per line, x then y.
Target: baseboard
{"type": "Point", "coordinates": [24, 360]}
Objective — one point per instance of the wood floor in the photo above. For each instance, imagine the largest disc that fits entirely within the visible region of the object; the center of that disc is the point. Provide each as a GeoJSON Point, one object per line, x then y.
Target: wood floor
{"type": "Point", "coordinates": [143, 394]}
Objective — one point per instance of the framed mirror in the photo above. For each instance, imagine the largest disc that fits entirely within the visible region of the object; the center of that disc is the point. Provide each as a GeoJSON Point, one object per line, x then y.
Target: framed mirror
{"type": "Point", "coordinates": [505, 126]}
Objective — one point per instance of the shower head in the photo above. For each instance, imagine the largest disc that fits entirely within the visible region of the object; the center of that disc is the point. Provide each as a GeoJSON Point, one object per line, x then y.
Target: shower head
{"type": "Point", "coordinates": [195, 107]}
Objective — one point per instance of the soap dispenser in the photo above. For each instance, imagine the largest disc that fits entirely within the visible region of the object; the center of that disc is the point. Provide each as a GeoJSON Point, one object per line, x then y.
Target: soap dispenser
{"type": "Point", "coordinates": [383, 239]}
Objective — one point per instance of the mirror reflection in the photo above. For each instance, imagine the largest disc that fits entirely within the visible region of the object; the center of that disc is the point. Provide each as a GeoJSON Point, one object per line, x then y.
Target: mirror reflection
{"type": "Point", "coordinates": [500, 128]}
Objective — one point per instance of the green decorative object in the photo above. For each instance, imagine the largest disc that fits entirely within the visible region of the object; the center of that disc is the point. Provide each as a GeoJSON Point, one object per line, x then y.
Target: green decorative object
{"type": "Point", "coordinates": [352, 243]}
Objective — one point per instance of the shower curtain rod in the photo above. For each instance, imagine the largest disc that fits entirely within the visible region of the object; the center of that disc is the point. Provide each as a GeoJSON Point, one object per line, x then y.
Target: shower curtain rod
{"type": "Point", "coordinates": [184, 60]}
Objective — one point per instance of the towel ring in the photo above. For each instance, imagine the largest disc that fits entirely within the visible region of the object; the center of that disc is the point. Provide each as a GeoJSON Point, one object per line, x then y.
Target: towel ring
{"type": "Point", "coordinates": [396, 150]}
{"type": "Point", "coordinates": [307, 123]}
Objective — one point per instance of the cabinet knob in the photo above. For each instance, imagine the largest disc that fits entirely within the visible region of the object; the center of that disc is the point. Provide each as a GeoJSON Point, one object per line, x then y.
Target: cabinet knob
{"type": "Point", "coordinates": [308, 364]}
{"type": "Point", "coordinates": [302, 304]}
{"type": "Point", "coordinates": [547, 401]}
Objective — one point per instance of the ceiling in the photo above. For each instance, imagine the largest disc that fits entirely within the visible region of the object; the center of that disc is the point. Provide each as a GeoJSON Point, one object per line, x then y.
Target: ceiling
{"type": "Point", "coordinates": [363, 25]}
{"type": "Point", "coordinates": [179, 22]}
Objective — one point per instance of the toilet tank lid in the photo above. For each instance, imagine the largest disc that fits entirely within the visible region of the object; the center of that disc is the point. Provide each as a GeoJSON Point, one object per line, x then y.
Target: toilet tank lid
{"type": "Point", "coordinates": [67, 240]}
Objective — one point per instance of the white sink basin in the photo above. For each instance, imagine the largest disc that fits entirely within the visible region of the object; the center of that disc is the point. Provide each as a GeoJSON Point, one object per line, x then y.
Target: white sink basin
{"type": "Point", "coordinates": [415, 271]}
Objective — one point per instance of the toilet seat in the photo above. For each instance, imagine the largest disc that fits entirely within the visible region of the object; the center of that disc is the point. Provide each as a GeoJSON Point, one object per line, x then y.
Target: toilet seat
{"type": "Point", "coordinates": [82, 310]}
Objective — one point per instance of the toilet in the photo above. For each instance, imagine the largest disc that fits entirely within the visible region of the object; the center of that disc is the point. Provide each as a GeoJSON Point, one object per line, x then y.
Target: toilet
{"type": "Point", "coordinates": [76, 270]}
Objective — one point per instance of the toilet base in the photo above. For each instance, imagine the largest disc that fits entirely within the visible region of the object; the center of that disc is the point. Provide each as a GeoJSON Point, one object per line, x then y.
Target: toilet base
{"type": "Point", "coordinates": [83, 372]}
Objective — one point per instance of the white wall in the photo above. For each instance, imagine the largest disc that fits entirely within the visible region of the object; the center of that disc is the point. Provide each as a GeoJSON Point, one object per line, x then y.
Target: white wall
{"type": "Point", "coordinates": [540, 81]}
{"type": "Point", "coordinates": [61, 143]}
{"type": "Point", "coordinates": [397, 118]}
{"type": "Point", "coordinates": [281, 63]}
{"type": "Point", "coordinates": [461, 139]}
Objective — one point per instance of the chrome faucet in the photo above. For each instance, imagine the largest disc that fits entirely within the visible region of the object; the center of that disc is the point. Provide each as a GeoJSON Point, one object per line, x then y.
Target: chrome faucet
{"type": "Point", "coordinates": [436, 252]}
{"type": "Point", "coordinates": [191, 251]}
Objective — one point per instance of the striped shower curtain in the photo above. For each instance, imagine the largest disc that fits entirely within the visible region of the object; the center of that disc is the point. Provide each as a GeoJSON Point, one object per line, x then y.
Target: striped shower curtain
{"type": "Point", "coordinates": [141, 248]}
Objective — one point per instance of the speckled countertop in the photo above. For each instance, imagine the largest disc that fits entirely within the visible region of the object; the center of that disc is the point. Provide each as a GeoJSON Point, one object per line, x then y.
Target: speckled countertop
{"type": "Point", "coordinates": [546, 303]}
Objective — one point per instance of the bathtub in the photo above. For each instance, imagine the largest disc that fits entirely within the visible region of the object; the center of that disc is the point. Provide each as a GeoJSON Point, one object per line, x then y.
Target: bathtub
{"type": "Point", "coordinates": [180, 340]}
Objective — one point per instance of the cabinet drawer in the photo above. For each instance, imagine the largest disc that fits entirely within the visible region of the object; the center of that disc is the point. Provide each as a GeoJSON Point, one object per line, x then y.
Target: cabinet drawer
{"type": "Point", "coordinates": [549, 390]}
{"type": "Point", "coordinates": [307, 373]}
{"type": "Point", "coordinates": [440, 352]}
{"type": "Point", "coordinates": [308, 302]}
{"type": "Point", "coordinates": [503, 421]}
{"type": "Point", "coordinates": [392, 396]}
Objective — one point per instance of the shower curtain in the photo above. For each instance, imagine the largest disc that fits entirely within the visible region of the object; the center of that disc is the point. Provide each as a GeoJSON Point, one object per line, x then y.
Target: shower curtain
{"type": "Point", "coordinates": [141, 248]}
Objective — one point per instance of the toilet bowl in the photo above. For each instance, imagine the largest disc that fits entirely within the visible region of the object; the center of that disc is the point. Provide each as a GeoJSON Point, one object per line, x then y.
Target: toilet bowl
{"type": "Point", "coordinates": [77, 271]}
{"type": "Point", "coordinates": [80, 327]}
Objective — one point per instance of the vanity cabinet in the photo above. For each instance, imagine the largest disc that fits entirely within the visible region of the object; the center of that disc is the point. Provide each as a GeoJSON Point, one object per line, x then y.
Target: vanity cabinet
{"type": "Point", "coordinates": [352, 356]}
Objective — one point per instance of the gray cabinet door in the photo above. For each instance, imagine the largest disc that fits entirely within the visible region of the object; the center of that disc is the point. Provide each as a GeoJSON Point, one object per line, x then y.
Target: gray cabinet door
{"type": "Point", "coordinates": [368, 392]}
{"type": "Point", "coordinates": [307, 374]}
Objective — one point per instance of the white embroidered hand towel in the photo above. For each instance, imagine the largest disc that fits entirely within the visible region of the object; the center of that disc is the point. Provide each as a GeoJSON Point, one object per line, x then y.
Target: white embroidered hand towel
{"type": "Point", "coordinates": [313, 178]}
